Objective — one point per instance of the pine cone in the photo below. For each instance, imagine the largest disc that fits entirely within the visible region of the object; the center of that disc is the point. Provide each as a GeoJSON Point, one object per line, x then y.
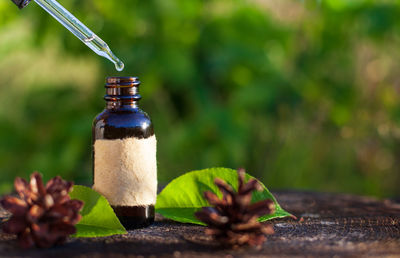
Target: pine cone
{"type": "Point", "coordinates": [233, 220]}
{"type": "Point", "coordinates": [42, 216]}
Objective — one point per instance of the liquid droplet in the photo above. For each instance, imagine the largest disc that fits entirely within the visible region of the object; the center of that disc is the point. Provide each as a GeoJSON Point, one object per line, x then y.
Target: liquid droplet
{"type": "Point", "coordinates": [119, 66]}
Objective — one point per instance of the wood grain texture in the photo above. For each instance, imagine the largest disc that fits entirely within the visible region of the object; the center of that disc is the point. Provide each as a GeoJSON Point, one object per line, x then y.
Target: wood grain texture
{"type": "Point", "coordinates": [327, 225]}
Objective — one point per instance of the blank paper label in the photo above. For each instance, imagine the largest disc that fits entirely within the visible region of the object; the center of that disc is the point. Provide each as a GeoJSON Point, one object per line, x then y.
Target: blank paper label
{"type": "Point", "coordinates": [125, 171]}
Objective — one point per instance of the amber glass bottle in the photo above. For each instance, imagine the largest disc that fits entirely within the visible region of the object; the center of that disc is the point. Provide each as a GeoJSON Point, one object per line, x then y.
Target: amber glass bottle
{"type": "Point", "coordinates": [124, 154]}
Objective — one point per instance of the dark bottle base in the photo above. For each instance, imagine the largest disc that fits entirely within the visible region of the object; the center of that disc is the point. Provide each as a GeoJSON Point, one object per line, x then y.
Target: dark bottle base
{"type": "Point", "coordinates": [132, 217]}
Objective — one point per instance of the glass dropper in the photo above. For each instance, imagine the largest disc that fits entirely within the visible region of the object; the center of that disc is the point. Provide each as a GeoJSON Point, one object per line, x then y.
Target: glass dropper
{"type": "Point", "coordinates": [80, 30]}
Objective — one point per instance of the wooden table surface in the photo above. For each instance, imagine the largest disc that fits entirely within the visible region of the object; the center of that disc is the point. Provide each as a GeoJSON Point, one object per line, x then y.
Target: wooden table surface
{"type": "Point", "coordinates": [331, 225]}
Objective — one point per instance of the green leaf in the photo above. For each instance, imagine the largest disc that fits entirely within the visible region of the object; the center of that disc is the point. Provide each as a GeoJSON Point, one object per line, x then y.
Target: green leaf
{"type": "Point", "coordinates": [181, 198]}
{"type": "Point", "coordinates": [98, 218]}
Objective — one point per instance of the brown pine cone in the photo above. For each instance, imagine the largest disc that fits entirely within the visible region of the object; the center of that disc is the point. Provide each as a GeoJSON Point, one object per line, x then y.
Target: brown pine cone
{"type": "Point", "coordinates": [42, 216]}
{"type": "Point", "coordinates": [233, 220]}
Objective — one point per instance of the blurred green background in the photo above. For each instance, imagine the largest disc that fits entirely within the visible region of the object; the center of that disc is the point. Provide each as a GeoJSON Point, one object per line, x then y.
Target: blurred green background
{"type": "Point", "coordinates": [303, 94]}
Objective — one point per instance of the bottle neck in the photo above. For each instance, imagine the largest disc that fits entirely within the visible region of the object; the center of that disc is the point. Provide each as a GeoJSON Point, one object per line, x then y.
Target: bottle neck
{"type": "Point", "coordinates": [121, 105]}
{"type": "Point", "coordinates": [122, 93]}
